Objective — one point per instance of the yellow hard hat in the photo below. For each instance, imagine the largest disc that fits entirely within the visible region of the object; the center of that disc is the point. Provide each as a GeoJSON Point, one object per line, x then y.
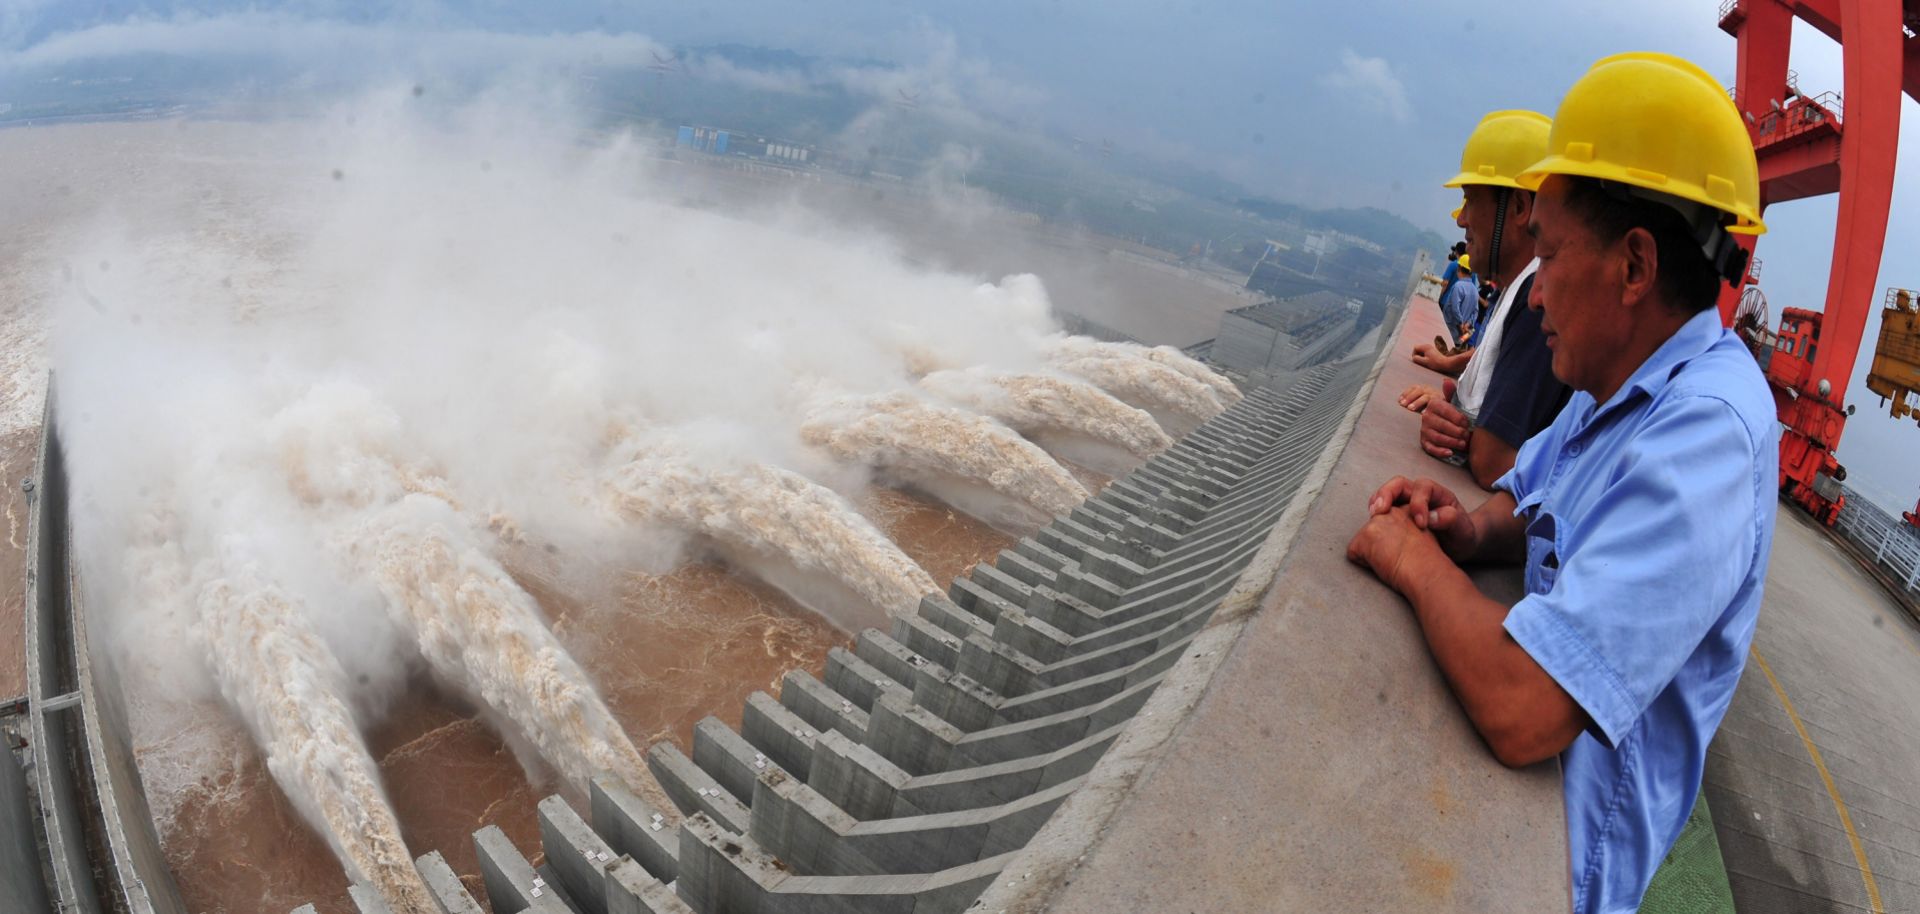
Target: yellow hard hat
{"type": "Point", "coordinates": [1465, 266]}
{"type": "Point", "coordinates": [1456, 213]}
{"type": "Point", "coordinates": [1502, 145]}
{"type": "Point", "coordinates": [1657, 122]}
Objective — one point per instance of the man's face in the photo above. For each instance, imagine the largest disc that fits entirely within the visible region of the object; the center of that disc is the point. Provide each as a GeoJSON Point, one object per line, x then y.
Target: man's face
{"type": "Point", "coordinates": [1578, 290]}
{"type": "Point", "coordinates": [1476, 219]}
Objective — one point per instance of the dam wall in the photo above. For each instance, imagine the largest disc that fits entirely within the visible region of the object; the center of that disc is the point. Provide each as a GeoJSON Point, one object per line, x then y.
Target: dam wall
{"type": "Point", "coordinates": [103, 854]}
{"type": "Point", "coordinates": [912, 773]}
{"type": "Point", "coordinates": [981, 753]}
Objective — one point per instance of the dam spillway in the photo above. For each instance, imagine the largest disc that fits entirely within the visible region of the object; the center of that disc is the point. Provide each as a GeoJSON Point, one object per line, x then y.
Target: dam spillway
{"type": "Point", "coordinates": [929, 751]}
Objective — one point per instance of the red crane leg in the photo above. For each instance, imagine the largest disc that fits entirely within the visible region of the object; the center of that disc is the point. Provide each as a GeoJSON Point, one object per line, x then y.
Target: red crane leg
{"type": "Point", "coordinates": [1766, 42]}
{"type": "Point", "coordinates": [1874, 60]}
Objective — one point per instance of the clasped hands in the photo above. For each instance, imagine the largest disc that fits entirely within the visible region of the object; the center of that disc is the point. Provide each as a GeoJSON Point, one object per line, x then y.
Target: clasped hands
{"type": "Point", "coordinates": [1410, 524]}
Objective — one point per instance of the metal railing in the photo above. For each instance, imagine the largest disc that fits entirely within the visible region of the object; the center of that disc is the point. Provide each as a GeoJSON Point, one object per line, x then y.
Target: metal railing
{"type": "Point", "coordinates": [1801, 115]}
{"type": "Point", "coordinates": [1891, 543]}
{"type": "Point", "coordinates": [1726, 7]}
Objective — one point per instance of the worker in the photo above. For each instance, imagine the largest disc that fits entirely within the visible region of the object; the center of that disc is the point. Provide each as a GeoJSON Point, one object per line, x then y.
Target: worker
{"type": "Point", "coordinates": [1453, 264]}
{"type": "Point", "coordinates": [1644, 513]}
{"type": "Point", "coordinates": [1447, 355]}
{"type": "Point", "coordinates": [1461, 302]}
{"type": "Point", "coordinates": [1507, 392]}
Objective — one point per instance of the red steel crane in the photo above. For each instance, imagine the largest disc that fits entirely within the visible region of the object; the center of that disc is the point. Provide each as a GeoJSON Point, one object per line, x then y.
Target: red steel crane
{"type": "Point", "coordinates": [1806, 149]}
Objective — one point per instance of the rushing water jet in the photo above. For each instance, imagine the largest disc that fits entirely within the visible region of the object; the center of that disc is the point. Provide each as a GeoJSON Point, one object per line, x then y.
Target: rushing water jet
{"type": "Point", "coordinates": [772, 512]}
{"type": "Point", "coordinates": [1033, 403]}
{"type": "Point", "coordinates": [275, 672]}
{"type": "Point", "coordinates": [483, 633]}
{"type": "Point", "coordinates": [906, 432]}
{"type": "Point", "coordinates": [274, 669]}
{"type": "Point", "coordinates": [477, 628]}
{"type": "Point", "coordinates": [1077, 347]}
{"type": "Point", "coordinates": [1159, 390]}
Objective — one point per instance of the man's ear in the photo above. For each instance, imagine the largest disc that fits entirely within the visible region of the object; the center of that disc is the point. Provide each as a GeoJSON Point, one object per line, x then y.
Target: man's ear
{"type": "Point", "coordinates": [1521, 208]}
{"type": "Point", "coordinates": [1640, 267]}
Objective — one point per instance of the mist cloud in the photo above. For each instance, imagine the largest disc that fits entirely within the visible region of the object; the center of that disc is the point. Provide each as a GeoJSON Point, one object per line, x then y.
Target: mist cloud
{"type": "Point", "coordinates": [310, 41]}
{"type": "Point", "coordinates": [939, 77]}
{"type": "Point", "coordinates": [1370, 80]}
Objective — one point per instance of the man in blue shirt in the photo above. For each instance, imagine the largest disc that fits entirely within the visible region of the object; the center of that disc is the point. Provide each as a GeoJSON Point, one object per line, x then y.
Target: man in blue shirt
{"type": "Point", "coordinates": [1454, 254]}
{"type": "Point", "coordinates": [1461, 303]}
{"type": "Point", "coordinates": [1644, 513]}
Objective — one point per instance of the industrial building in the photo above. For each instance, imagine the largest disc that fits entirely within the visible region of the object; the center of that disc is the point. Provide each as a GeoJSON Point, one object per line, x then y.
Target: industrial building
{"type": "Point", "coordinates": [1287, 335]}
{"type": "Point", "coordinates": [729, 142]}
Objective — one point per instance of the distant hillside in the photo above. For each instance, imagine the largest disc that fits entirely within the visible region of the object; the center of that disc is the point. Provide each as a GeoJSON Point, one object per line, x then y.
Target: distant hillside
{"type": "Point", "coordinates": [1372, 223]}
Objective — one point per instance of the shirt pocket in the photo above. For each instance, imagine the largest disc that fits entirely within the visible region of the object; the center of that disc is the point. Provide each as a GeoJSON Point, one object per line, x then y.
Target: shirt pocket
{"type": "Point", "coordinates": [1543, 553]}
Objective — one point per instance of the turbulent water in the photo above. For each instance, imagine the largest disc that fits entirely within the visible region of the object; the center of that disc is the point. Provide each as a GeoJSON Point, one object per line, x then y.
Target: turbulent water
{"type": "Point", "coordinates": [1192, 368]}
{"type": "Point", "coordinates": [277, 674]}
{"type": "Point", "coordinates": [1037, 403]}
{"type": "Point", "coordinates": [907, 432]}
{"type": "Point", "coordinates": [772, 512]}
{"type": "Point", "coordinates": [482, 633]}
{"type": "Point", "coordinates": [490, 315]}
{"type": "Point", "coordinates": [291, 690]}
{"type": "Point", "coordinates": [1147, 385]}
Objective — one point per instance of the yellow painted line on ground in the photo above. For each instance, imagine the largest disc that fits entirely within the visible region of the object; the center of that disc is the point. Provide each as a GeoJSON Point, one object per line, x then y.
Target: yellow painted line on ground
{"type": "Point", "coordinates": [1826, 777]}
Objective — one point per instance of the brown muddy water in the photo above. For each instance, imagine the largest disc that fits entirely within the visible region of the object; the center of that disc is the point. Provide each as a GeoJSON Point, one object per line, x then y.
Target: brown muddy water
{"type": "Point", "coordinates": [666, 652]}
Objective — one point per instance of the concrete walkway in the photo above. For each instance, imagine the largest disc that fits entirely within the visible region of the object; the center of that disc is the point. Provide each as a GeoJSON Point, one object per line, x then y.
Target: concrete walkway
{"type": "Point", "coordinates": [1327, 767]}
{"type": "Point", "coordinates": [1814, 778]}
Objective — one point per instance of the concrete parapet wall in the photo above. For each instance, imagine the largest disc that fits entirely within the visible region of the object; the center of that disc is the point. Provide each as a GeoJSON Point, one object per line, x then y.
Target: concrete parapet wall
{"type": "Point", "coordinates": [103, 851]}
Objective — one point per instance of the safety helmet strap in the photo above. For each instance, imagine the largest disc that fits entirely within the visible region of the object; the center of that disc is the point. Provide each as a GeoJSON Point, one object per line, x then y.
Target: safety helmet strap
{"type": "Point", "coordinates": [1708, 225]}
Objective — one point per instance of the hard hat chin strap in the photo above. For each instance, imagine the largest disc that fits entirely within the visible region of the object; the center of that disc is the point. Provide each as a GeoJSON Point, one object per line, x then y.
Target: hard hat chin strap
{"type": "Point", "coordinates": [1502, 196]}
{"type": "Point", "coordinates": [1709, 227]}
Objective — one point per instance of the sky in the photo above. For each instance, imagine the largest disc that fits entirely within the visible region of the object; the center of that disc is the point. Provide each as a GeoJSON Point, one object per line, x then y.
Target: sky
{"type": "Point", "coordinates": [1363, 102]}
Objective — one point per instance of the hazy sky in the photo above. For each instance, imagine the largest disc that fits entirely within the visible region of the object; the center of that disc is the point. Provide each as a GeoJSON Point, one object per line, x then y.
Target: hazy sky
{"type": "Point", "coordinates": [1362, 102]}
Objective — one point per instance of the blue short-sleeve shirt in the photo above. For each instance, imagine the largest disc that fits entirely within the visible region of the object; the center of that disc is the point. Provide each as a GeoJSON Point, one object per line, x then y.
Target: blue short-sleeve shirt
{"type": "Point", "coordinates": [1649, 522]}
{"type": "Point", "coordinates": [1460, 305]}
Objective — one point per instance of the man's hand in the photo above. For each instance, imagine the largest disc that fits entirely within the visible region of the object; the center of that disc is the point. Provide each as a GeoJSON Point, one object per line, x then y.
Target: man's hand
{"type": "Point", "coordinates": [1415, 398]}
{"type": "Point", "coordinates": [1517, 707]}
{"type": "Point", "coordinates": [1431, 507]}
{"type": "Point", "coordinates": [1443, 427]}
{"type": "Point", "coordinates": [1386, 544]}
{"type": "Point", "coordinates": [1433, 358]}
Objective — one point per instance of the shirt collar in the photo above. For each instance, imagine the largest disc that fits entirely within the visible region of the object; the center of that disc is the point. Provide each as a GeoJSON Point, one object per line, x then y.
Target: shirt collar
{"type": "Point", "coordinates": [1693, 338]}
{"type": "Point", "coordinates": [1507, 295]}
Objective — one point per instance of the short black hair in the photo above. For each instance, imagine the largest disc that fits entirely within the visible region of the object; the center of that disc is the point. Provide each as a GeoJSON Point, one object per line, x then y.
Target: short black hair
{"type": "Point", "coordinates": [1453, 255]}
{"type": "Point", "coordinates": [1686, 275]}
{"type": "Point", "coordinates": [1459, 247]}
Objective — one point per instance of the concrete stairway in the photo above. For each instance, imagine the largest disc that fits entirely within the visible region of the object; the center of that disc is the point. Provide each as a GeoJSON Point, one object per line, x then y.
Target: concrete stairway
{"type": "Point", "coordinates": [905, 779]}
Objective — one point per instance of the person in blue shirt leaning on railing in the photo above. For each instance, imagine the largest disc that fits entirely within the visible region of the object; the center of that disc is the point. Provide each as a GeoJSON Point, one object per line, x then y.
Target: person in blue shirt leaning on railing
{"type": "Point", "coordinates": [1461, 302]}
{"type": "Point", "coordinates": [1644, 512]}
